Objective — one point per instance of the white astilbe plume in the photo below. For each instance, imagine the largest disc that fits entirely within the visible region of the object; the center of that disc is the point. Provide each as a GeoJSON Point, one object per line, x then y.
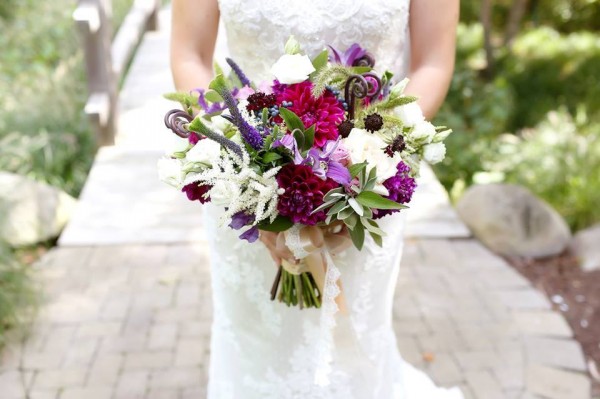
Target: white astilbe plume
{"type": "Point", "coordinates": [238, 187]}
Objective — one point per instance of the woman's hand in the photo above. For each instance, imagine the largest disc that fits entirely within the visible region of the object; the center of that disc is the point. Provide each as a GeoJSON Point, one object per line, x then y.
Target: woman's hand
{"type": "Point", "coordinates": [275, 243]}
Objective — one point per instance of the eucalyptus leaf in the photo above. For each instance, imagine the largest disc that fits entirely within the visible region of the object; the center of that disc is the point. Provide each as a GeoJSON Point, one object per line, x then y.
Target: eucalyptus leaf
{"type": "Point", "coordinates": [330, 194]}
{"type": "Point", "coordinates": [377, 238]}
{"type": "Point", "coordinates": [351, 221]}
{"type": "Point", "coordinates": [346, 213]}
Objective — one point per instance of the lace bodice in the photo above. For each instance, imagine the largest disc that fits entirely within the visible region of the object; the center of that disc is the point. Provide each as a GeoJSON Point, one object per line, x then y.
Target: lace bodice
{"type": "Point", "coordinates": [262, 349]}
{"type": "Point", "coordinates": [258, 29]}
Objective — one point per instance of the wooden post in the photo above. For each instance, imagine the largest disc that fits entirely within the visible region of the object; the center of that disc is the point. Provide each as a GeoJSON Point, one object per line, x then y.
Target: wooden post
{"type": "Point", "coordinates": [93, 18]}
{"type": "Point", "coordinates": [153, 20]}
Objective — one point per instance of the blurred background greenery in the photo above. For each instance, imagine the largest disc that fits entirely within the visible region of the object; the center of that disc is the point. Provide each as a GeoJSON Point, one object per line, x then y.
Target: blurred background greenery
{"type": "Point", "coordinates": [525, 102]}
{"type": "Point", "coordinates": [43, 131]}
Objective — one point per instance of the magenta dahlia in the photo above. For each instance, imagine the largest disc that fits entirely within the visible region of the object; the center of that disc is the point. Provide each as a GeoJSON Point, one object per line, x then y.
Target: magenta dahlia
{"type": "Point", "coordinates": [304, 192]}
{"type": "Point", "coordinates": [325, 112]}
{"type": "Point", "coordinates": [195, 192]}
{"type": "Point", "coordinates": [401, 188]}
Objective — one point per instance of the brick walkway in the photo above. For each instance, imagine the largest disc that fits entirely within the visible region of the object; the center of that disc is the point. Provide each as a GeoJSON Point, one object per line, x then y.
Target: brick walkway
{"type": "Point", "coordinates": [127, 306]}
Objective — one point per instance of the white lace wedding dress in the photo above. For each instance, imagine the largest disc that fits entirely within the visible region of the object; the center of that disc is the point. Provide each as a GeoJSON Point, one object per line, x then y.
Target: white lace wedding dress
{"type": "Point", "coordinates": [262, 349]}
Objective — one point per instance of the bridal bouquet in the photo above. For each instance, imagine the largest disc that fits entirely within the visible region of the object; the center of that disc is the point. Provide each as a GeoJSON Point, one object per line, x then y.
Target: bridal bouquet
{"type": "Point", "coordinates": [325, 147]}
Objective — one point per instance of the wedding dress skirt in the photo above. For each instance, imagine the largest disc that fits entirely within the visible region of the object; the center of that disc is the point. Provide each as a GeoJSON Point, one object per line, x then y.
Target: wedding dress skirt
{"type": "Point", "coordinates": [262, 349]}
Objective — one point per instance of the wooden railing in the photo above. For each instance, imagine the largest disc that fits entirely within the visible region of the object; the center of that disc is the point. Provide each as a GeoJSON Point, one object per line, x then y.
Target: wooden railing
{"type": "Point", "coordinates": [106, 59]}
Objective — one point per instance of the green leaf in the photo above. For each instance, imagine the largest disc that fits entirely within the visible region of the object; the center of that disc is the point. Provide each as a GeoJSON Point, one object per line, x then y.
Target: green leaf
{"type": "Point", "coordinates": [372, 228]}
{"type": "Point", "coordinates": [340, 206]}
{"type": "Point", "coordinates": [351, 221]}
{"type": "Point", "coordinates": [185, 99]}
{"type": "Point", "coordinates": [358, 236]}
{"type": "Point", "coordinates": [374, 200]}
{"type": "Point", "coordinates": [359, 70]}
{"type": "Point", "coordinates": [357, 168]}
{"type": "Point", "coordinates": [280, 223]}
{"type": "Point", "coordinates": [299, 136]}
{"type": "Point", "coordinates": [330, 194]}
{"type": "Point", "coordinates": [320, 62]}
{"type": "Point", "coordinates": [213, 97]}
{"type": "Point", "coordinates": [377, 238]}
{"type": "Point", "coordinates": [217, 68]}
{"type": "Point", "coordinates": [356, 206]}
{"type": "Point", "coordinates": [292, 121]}
{"type": "Point", "coordinates": [346, 213]}
{"type": "Point", "coordinates": [309, 137]}
{"type": "Point", "coordinates": [270, 157]}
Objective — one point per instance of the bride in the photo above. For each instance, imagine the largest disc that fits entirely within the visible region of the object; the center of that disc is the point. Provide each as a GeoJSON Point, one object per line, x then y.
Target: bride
{"type": "Point", "coordinates": [263, 349]}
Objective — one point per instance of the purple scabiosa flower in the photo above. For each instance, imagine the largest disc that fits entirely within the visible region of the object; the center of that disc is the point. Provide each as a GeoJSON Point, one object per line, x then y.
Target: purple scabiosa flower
{"type": "Point", "coordinates": [238, 71]}
{"type": "Point", "coordinates": [400, 187]}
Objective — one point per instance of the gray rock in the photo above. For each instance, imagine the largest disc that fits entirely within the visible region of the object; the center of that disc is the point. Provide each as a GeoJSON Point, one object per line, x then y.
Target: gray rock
{"type": "Point", "coordinates": [586, 246]}
{"type": "Point", "coordinates": [30, 211]}
{"type": "Point", "coordinates": [510, 220]}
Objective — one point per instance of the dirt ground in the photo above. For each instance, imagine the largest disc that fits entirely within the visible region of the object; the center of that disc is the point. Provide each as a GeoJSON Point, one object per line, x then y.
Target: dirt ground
{"type": "Point", "coordinates": [576, 294]}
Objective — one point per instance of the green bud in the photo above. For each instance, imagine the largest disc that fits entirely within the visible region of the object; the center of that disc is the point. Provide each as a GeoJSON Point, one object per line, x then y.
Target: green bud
{"type": "Point", "coordinates": [292, 46]}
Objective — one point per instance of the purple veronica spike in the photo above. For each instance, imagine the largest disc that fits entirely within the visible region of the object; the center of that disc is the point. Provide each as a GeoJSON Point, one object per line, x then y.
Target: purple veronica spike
{"type": "Point", "coordinates": [249, 133]}
{"type": "Point", "coordinates": [238, 71]}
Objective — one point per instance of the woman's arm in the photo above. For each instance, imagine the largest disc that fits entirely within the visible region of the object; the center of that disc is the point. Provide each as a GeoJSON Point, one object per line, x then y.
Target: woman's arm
{"type": "Point", "coordinates": [193, 36]}
{"type": "Point", "coordinates": [433, 44]}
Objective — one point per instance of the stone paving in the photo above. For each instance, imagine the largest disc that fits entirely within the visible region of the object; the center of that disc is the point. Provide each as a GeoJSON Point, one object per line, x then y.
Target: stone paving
{"type": "Point", "coordinates": [127, 301]}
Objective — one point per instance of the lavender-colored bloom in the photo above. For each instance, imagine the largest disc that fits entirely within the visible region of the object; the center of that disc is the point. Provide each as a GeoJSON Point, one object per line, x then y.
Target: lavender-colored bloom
{"type": "Point", "coordinates": [209, 109]}
{"type": "Point", "coordinates": [238, 71]}
{"type": "Point", "coordinates": [289, 142]}
{"type": "Point", "coordinates": [249, 133]}
{"type": "Point", "coordinates": [240, 220]}
{"type": "Point", "coordinates": [349, 57]}
{"type": "Point", "coordinates": [251, 235]}
{"type": "Point", "coordinates": [325, 166]}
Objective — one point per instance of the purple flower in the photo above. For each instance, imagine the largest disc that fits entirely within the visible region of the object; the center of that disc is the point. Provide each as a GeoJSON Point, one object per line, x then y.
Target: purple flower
{"type": "Point", "coordinates": [197, 192]}
{"type": "Point", "coordinates": [209, 109]}
{"type": "Point", "coordinates": [350, 57]}
{"type": "Point", "coordinates": [251, 235]}
{"type": "Point", "coordinates": [400, 187]}
{"type": "Point", "coordinates": [325, 167]}
{"type": "Point", "coordinates": [242, 219]}
{"type": "Point", "coordinates": [289, 142]}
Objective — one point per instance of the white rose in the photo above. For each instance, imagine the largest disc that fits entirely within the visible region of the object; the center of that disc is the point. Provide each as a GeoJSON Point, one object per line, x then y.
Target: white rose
{"type": "Point", "coordinates": [434, 153]}
{"type": "Point", "coordinates": [205, 151]}
{"type": "Point", "coordinates": [364, 146]}
{"type": "Point", "coordinates": [423, 131]}
{"type": "Point", "coordinates": [170, 171]}
{"type": "Point", "coordinates": [175, 144]}
{"type": "Point", "coordinates": [410, 114]}
{"type": "Point", "coordinates": [291, 69]}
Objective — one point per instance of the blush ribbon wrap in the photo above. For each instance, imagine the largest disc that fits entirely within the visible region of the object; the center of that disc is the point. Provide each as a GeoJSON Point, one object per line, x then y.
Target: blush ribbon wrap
{"type": "Point", "coordinates": [314, 247]}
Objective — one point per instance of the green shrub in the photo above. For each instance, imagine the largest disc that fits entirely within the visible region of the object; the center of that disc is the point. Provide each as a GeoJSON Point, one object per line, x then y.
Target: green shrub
{"type": "Point", "coordinates": [16, 295]}
{"type": "Point", "coordinates": [559, 160]}
{"type": "Point", "coordinates": [548, 70]}
{"type": "Point", "coordinates": [43, 131]}
{"type": "Point", "coordinates": [477, 110]}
